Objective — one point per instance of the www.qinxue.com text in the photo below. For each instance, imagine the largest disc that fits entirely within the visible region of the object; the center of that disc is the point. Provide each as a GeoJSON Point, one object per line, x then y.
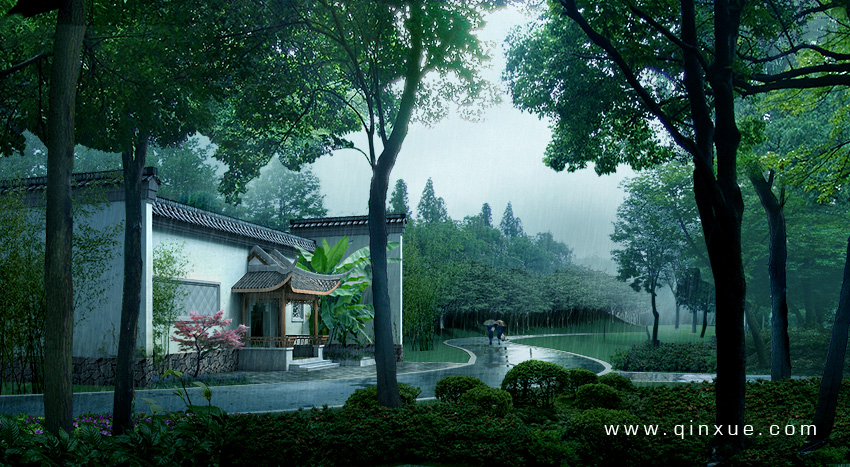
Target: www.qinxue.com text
{"type": "Point", "coordinates": [690, 429]}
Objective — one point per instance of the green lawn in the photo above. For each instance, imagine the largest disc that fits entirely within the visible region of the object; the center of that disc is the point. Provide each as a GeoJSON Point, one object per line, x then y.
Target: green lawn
{"type": "Point", "coordinates": [441, 352]}
{"type": "Point", "coordinates": [618, 336]}
{"type": "Point", "coordinates": [604, 346]}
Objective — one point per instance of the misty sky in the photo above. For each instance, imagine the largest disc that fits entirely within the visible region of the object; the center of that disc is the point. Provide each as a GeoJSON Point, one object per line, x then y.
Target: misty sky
{"type": "Point", "coordinates": [496, 160]}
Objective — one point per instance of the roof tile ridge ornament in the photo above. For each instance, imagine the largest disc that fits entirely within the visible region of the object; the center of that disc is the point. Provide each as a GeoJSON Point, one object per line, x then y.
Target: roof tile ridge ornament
{"type": "Point", "coordinates": [283, 260]}
{"type": "Point", "coordinates": [271, 264]}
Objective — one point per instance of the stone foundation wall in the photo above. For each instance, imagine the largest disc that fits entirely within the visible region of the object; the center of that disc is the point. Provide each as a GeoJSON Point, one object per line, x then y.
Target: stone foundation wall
{"type": "Point", "coordinates": [101, 371]}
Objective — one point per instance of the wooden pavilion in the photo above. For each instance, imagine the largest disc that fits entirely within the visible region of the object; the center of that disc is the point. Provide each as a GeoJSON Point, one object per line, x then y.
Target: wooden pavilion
{"type": "Point", "coordinates": [274, 293]}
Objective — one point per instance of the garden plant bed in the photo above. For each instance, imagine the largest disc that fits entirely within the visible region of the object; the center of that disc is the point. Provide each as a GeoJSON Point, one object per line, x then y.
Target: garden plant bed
{"type": "Point", "coordinates": [455, 433]}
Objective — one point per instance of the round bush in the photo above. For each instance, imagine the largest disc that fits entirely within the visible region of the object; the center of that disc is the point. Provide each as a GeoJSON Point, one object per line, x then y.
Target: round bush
{"type": "Point", "coordinates": [451, 388]}
{"type": "Point", "coordinates": [578, 377]}
{"type": "Point", "coordinates": [367, 398]}
{"type": "Point", "coordinates": [597, 395]}
{"type": "Point", "coordinates": [536, 383]}
{"type": "Point", "coordinates": [596, 446]}
{"type": "Point", "coordinates": [492, 400]}
{"type": "Point", "coordinates": [617, 381]}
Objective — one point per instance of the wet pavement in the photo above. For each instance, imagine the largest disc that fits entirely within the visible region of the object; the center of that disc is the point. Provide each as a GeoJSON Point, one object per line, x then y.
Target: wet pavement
{"type": "Point", "coordinates": [280, 391]}
{"type": "Point", "coordinates": [489, 363]}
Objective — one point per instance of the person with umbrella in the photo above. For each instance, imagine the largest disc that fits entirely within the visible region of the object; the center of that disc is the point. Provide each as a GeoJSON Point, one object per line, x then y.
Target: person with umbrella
{"type": "Point", "coordinates": [491, 328]}
{"type": "Point", "coordinates": [500, 330]}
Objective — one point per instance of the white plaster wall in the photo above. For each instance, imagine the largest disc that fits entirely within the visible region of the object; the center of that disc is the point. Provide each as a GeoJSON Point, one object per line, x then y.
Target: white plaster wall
{"type": "Point", "coordinates": [96, 331]}
{"type": "Point", "coordinates": [211, 261]}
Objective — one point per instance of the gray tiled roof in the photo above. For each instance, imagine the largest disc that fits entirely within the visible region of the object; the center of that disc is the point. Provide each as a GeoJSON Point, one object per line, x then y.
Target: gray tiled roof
{"type": "Point", "coordinates": [78, 180]}
{"type": "Point", "coordinates": [274, 272]}
{"type": "Point", "coordinates": [260, 280]}
{"type": "Point", "coordinates": [180, 212]}
{"type": "Point", "coordinates": [302, 281]}
{"type": "Point", "coordinates": [343, 221]}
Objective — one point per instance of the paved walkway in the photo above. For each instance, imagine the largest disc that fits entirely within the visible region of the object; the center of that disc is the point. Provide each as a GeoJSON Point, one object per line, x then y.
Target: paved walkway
{"type": "Point", "coordinates": [282, 390]}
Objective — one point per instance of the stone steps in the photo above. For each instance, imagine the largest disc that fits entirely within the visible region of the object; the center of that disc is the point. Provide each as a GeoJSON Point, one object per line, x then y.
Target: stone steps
{"type": "Point", "coordinates": [312, 364]}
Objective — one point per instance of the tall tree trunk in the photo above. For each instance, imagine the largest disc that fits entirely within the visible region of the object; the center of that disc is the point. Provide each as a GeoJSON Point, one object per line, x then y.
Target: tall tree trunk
{"type": "Point", "coordinates": [678, 314]}
{"type": "Point", "coordinates": [780, 367]}
{"type": "Point", "coordinates": [385, 363]}
{"type": "Point", "coordinates": [694, 321]}
{"type": "Point", "coordinates": [833, 372]}
{"type": "Point", "coordinates": [758, 343]}
{"type": "Point", "coordinates": [721, 210]}
{"type": "Point", "coordinates": [134, 162]}
{"type": "Point", "coordinates": [655, 316]}
{"type": "Point", "coordinates": [59, 294]}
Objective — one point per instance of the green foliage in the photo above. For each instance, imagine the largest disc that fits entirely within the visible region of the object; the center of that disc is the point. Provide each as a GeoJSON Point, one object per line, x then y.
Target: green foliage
{"type": "Point", "coordinates": [491, 400]}
{"type": "Point", "coordinates": [448, 434]}
{"type": "Point", "coordinates": [578, 377]}
{"type": "Point", "coordinates": [598, 395]}
{"type": "Point", "coordinates": [511, 226]}
{"type": "Point", "coordinates": [279, 195]}
{"type": "Point", "coordinates": [367, 398]}
{"type": "Point", "coordinates": [173, 439]}
{"type": "Point", "coordinates": [451, 388]}
{"type": "Point", "coordinates": [188, 175]}
{"type": "Point", "coordinates": [419, 434]}
{"type": "Point", "coordinates": [808, 351]}
{"type": "Point", "coordinates": [653, 230]}
{"type": "Point", "coordinates": [596, 447]}
{"type": "Point", "coordinates": [481, 274]}
{"type": "Point", "coordinates": [22, 287]}
{"type": "Point", "coordinates": [343, 311]}
{"type": "Point", "coordinates": [617, 381]}
{"type": "Point", "coordinates": [398, 200]}
{"type": "Point", "coordinates": [535, 383]}
{"type": "Point", "coordinates": [169, 264]}
{"type": "Point", "coordinates": [349, 71]}
{"type": "Point", "coordinates": [431, 208]}
{"type": "Point", "coordinates": [676, 357]}
{"type": "Point", "coordinates": [546, 78]}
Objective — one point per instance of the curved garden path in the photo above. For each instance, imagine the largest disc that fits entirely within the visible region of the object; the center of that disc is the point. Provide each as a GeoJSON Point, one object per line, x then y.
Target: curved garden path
{"type": "Point", "coordinates": [290, 391]}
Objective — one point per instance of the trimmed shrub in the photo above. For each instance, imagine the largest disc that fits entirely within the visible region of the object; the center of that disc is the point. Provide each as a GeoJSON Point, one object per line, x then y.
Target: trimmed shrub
{"type": "Point", "coordinates": [492, 400]}
{"type": "Point", "coordinates": [617, 381]}
{"type": "Point", "coordinates": [578, 377]}
{"type": "Point", "coordinates": [595, 446]}
{"type": "Point", "coordinates": [367, 398]}
{"type": "Point", "coordinates": [451, 388]}
{"type": "Point", "coordinates": [597, 396]}
{"type": "Point", "coordinates": [535, 383]}
{"type": "Point", "coordinates": [693, 357]}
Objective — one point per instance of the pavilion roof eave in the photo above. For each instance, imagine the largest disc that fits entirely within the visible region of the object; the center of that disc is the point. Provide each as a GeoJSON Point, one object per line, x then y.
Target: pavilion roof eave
{"type": "Point", "coordinates": [315, 292]}
{"type": "Point", "coordinates": [254, 282]}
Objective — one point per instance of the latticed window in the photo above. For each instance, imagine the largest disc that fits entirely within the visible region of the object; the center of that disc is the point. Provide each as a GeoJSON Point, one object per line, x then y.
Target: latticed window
{"type": "Point", "coordinates": [203, 297]}
{"type": "Point", "coordinates": [297, 312]}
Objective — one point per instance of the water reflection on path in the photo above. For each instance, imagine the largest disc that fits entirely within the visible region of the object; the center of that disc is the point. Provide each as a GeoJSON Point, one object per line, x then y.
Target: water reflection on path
{"type": "Point", "coordinates": [489, 363]}
{"type": "Point", "coordinates": [494, 361]}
